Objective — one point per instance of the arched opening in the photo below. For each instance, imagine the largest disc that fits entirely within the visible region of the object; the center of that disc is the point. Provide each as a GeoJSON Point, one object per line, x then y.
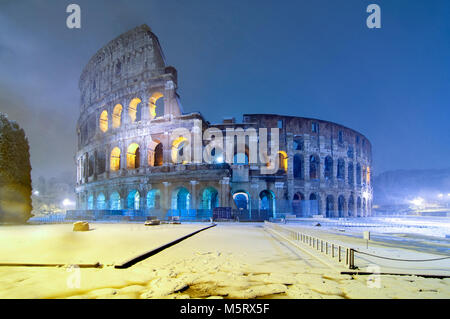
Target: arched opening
{"type": "Point", "coordinates": [101, 162]}
{"type": "Point", "coordinates": [267, 202]}
{"type": "Point", "coordinates": [91, 165]}
{"type": "Point", "coordinates": [314, 204]}
{"type": "Point", "coordinates": [341, 206]}
{"type": "Point", "coordinates": [297, 204]}
{"type": "Point", "coordinates": [298, 144]}
{"type": "Point", "coordinates": [90, 202]}
{"type": "Point", "coordinates": [134, 110]}
{"type": "Point", "coordinates": [179, 147]}
{"type": "Point", "coordinates": [156, 105]}
{"type": "Point", "coordinates": [117, 116]}
{"type": "Point", "coordinates": [358, 174]}
{"type": "Point", "coordinates": [101, 201]}
{"type": "Point", "coordinates": [242, 200]}
{"type": "Point", "coordinates": [103, 121]}
{"type": "Point", "coordinates": [133, 156]}
{"type": "Point", "coordinates": [115, 159]}
{"type": "Point", "coordinates": [298, 166]}
{"type": "Point", "coordinates": [181, 199]}
{"type": "Point", "coordinates": [341, 169]}
{"type": "Point", "coordinates": [328, 169]}
{"type": "Point", "coordinates": [351, 206]}
{"type": "Point", "coordinates": [330, 206]}
{"type": "Point", "coordinates": [133, 200]}
{"type": "Point", "coordinates": [114, 201]}
{"type": "Point", "coordinates": [210, 198]}
{"type": "Point", "coordinates": [358, 207]}
{"type": "Point", "coordinates": [155, 153]}
{"type": "Point", "coordinates": [350, 174]}
{"type": "Point", "coordinates": [282, 161]}
{"type": "Point", "coordinates": [314, 167]}
{"type": "Point", "coordinates": [154, 199]}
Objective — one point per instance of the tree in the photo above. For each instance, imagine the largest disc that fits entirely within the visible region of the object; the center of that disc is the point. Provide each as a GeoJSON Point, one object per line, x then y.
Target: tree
{"type": "Point", "coordinates": [15, 173]}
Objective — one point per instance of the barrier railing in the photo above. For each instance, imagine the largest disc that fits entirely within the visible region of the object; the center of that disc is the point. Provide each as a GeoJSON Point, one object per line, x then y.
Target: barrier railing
{"type": "Point", "coordinates": [342, 254]}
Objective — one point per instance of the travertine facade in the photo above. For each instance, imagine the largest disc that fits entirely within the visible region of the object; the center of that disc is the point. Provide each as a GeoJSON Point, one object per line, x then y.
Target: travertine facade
{"type": "Point", "coordinates": [125, 158]}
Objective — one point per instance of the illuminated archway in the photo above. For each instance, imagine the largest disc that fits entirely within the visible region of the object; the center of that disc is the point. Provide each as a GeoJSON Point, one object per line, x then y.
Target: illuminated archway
{"type": "Point", "coordinates": [133, 200]}
{"type": "Point", "coordinates": [282, 161]}
{"type": "Point", "coordinates": [117, 116]}
{"type": "Point", "coordinates": [181, 199]}
{"type": "Point", "coordinates": [90, 202]}
{"type": "Point", "coordinates": [114, 201]}
{"type": "Point", "coordinates": [134, 110]}
{"type": "Point", "coordinates": [133, 156]}
{"type": "Point", "coordinates": [267, 202]}
{"type": "Point", "coordinates": [101, 201]}
{"type": "Point", "coordinates": [210, 198]}
{"type": "Point", "coordinates": [103, 121]}
{"type": "Point", "coordinates": [154, 100]}
{"type": "Point", "coordinates": [242, 200]}
{"type": "Point", "coordinates": [115, 159]}
{"type": "Point", "coordinates": [178, 149]}
{"type": "Point", "coordinates": [154, 199]}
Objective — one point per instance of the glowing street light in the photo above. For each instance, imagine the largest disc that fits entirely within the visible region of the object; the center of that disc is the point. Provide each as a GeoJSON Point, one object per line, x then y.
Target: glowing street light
{"type": "Point", "coordinates": [36, 193]}
{"type": "Point", "coordinates": [418, 201]}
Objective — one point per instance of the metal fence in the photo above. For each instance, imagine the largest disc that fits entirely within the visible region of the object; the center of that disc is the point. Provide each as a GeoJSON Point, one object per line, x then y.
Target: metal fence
{"type": "Point", "coordinates": [339, 253]}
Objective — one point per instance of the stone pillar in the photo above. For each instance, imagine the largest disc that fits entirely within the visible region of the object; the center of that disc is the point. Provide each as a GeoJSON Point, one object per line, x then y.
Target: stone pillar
{"type": "Point", "coordinates": [193, 201]}
{"type": "Point", "coordinates": [225, 192]}
{"type": "Point", "coordinates": [166, 199]}
{"type": "Point", "coordinates": [145, 108]}
{"type": "Point", "coordinates": [167, 149]}
{"type": "Point", "coordinates": [306, 166]}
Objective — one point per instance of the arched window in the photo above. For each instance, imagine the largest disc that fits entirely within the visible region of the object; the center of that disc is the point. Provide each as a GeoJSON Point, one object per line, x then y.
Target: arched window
{"type": "Point", "coordinates": [101, 161]}
{"type": "Point", "coordinates": [91, 165]}
{"type": "Point", "coordinates": [350, 174]}
{"type": "Point", "coordinates": [115, 159]}
{"type": "Point", "coordinates": [114, 201]}
{"type": "Point", "coordinates": [103, 121]}
{"type": "Point", "coordinates": [330, 206]}
{"type": "Point", "coordinates": [242, 200]}
{"type": "Point", "coordinates": [101, 201]}
{"type": "Point", "coordinates": [351, 206]}
{"type": "Point", "coordinates": [90, 203]}
{"type": "Point", "coordinates": [314, 207]}
{"type": "Point", "coordinates": [267, 201]}
{"type": "Point", "coordinates": [155, 153]}
{"type": "Point", "coordinates": [298, 144]}
{"type": "Point", "coordinates": [179, 147]}
{"type": "Point", "coordinates": [341, 169]}
{"type": "Point", "coordinates": [282, 161]}
{"type": "Point", "coordinates": [297, 204]}
{"type": "Point", "coordinates": [181, 199]}
{"type": "Point", "coordinates": [210, 198]}
{"type": "Point", "coordinates": [314, 167]}
{"type": "Point", "coordinates": [156, 105]}
{"type": "Point", "coordinates": [133, 200]}
{"type": "Point", "coordinates": [298, 166]}
{"type": "Point", "coordinates": [341, 206]}
{"type": "Point", "coordinates": [134, 110]}
{"type": "Point", "coordinates": [133, 156]}
{"type": "Point", "coordinates": [153, 199]}
{"type": "Point", "coordinates": [117, 116]}
{"type": "Point", "coordinates": [328, 170]}
{"type": "Point", "coordinates": [358, 174]}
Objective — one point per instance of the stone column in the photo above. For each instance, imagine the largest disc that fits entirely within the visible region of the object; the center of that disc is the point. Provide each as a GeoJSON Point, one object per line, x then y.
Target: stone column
{"type": "Point", "coordinates": [145, 108]}
{"type": "Point", "coordinates": [167, 149]}
{"type": "Point", "coordinates": [193, 201]}
{"type": "Point", "coordinates": [225, 192]}
{"type": "Point", "coordinates": [166, 199]}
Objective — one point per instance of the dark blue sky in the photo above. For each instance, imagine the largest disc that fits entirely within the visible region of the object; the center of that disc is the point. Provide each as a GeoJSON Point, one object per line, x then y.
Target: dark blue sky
{"type": "Point", "coordinates": [312, 58]}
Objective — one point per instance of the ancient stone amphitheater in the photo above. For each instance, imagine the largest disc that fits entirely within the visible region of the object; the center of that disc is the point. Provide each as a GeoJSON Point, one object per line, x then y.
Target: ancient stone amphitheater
{"type": "Point", "coordinates": [128, 162]}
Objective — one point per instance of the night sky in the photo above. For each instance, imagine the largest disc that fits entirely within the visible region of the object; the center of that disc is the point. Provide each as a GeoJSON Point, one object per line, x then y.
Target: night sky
{"type": "Point", "coordinates": [312, 58]}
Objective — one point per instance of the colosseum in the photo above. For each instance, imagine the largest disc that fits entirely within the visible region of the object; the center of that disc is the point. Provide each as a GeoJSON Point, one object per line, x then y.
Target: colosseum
{"type": "Point", "coordinates": [130, 164]}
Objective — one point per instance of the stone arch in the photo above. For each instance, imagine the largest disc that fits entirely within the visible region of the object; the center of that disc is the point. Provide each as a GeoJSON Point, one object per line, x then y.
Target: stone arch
{"type": "Point", "coordinates": [358, 174]}
{"type": "Point", "coordinates": [155, 153]}
{"type": "Point", "coordinates": [314, 203]}
{"type": "Point", "coordinates": [117, 116]}
{"type": "Point", "coordinates": [329, 208]}
{"type": "Point", "coordinates": [267, 202]}
{"type": "Point", "coordinates": [90, 202]}
{"type": "Point", "coordinates": [133, 156]}
{"type": "Point", "coordinates": [179, 146]}
{"type": "Point", "coordinates": [133, 200]}
{"type": "Point", "coordinates": [115, 159]}
{"type": "Point", "coordinates": [340, 169]}
{"type": "Point", "coordinates": [328, 168]}
{"type": "Point", "coordinates": [314, 162]}
{"type": "Point", "coordinates": [134, 110]}
{"type": "Point", "coordinates": [341, 206]}
{"type": "Point", "coordinates": [103, 121]}
{"type": "Point", "coordinates": [210, 198]}
{"type": "Point", "coordinates": [351, 206]}
{"type": "Point", "coordinates": [298, 166]}
{"type": "Point", "coordinates": [297, 204]}
{"type": "Point", "coordinates": [154, 199]}
{"type": "Point", "coordinates": [101, 201]}
{"type": "Point", "coordinates": [115, 202]}
{"type": "Point", "coordinates": [350, 174]}
{"type": "Point", "coordinates": [181, 199]}
{"type": "Point", "coordinates": [242, 200]}
{"type": "Point", "coordinates": [155, 102]}
{"type": "Point", "coordinates": [282, 161]}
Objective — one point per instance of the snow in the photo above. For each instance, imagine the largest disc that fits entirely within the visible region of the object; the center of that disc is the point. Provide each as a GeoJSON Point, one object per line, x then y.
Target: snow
{"type": "Point", "coordinates": [230, 260]}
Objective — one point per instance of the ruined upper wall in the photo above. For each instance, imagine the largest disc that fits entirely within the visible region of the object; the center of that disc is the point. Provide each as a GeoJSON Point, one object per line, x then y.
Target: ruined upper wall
{"type": "Point", "coordinates": [133, 56]}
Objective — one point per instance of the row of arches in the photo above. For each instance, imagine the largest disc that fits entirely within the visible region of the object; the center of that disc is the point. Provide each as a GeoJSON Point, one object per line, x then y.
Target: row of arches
{"type": "Point", "coordinates": [340, 207]}
{"type": "Point", "coordinates": [134, 112]}
{"type": "Point", "coordinates": [362, 173]}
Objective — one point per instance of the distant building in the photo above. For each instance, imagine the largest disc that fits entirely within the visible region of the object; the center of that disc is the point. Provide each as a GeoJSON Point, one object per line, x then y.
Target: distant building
{"type": "Point", "coordinates": [126, 159]}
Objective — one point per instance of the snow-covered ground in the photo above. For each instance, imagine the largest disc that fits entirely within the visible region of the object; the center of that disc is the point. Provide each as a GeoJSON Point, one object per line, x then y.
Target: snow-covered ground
{"type": "Point", "coordinates": [230, 260]}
